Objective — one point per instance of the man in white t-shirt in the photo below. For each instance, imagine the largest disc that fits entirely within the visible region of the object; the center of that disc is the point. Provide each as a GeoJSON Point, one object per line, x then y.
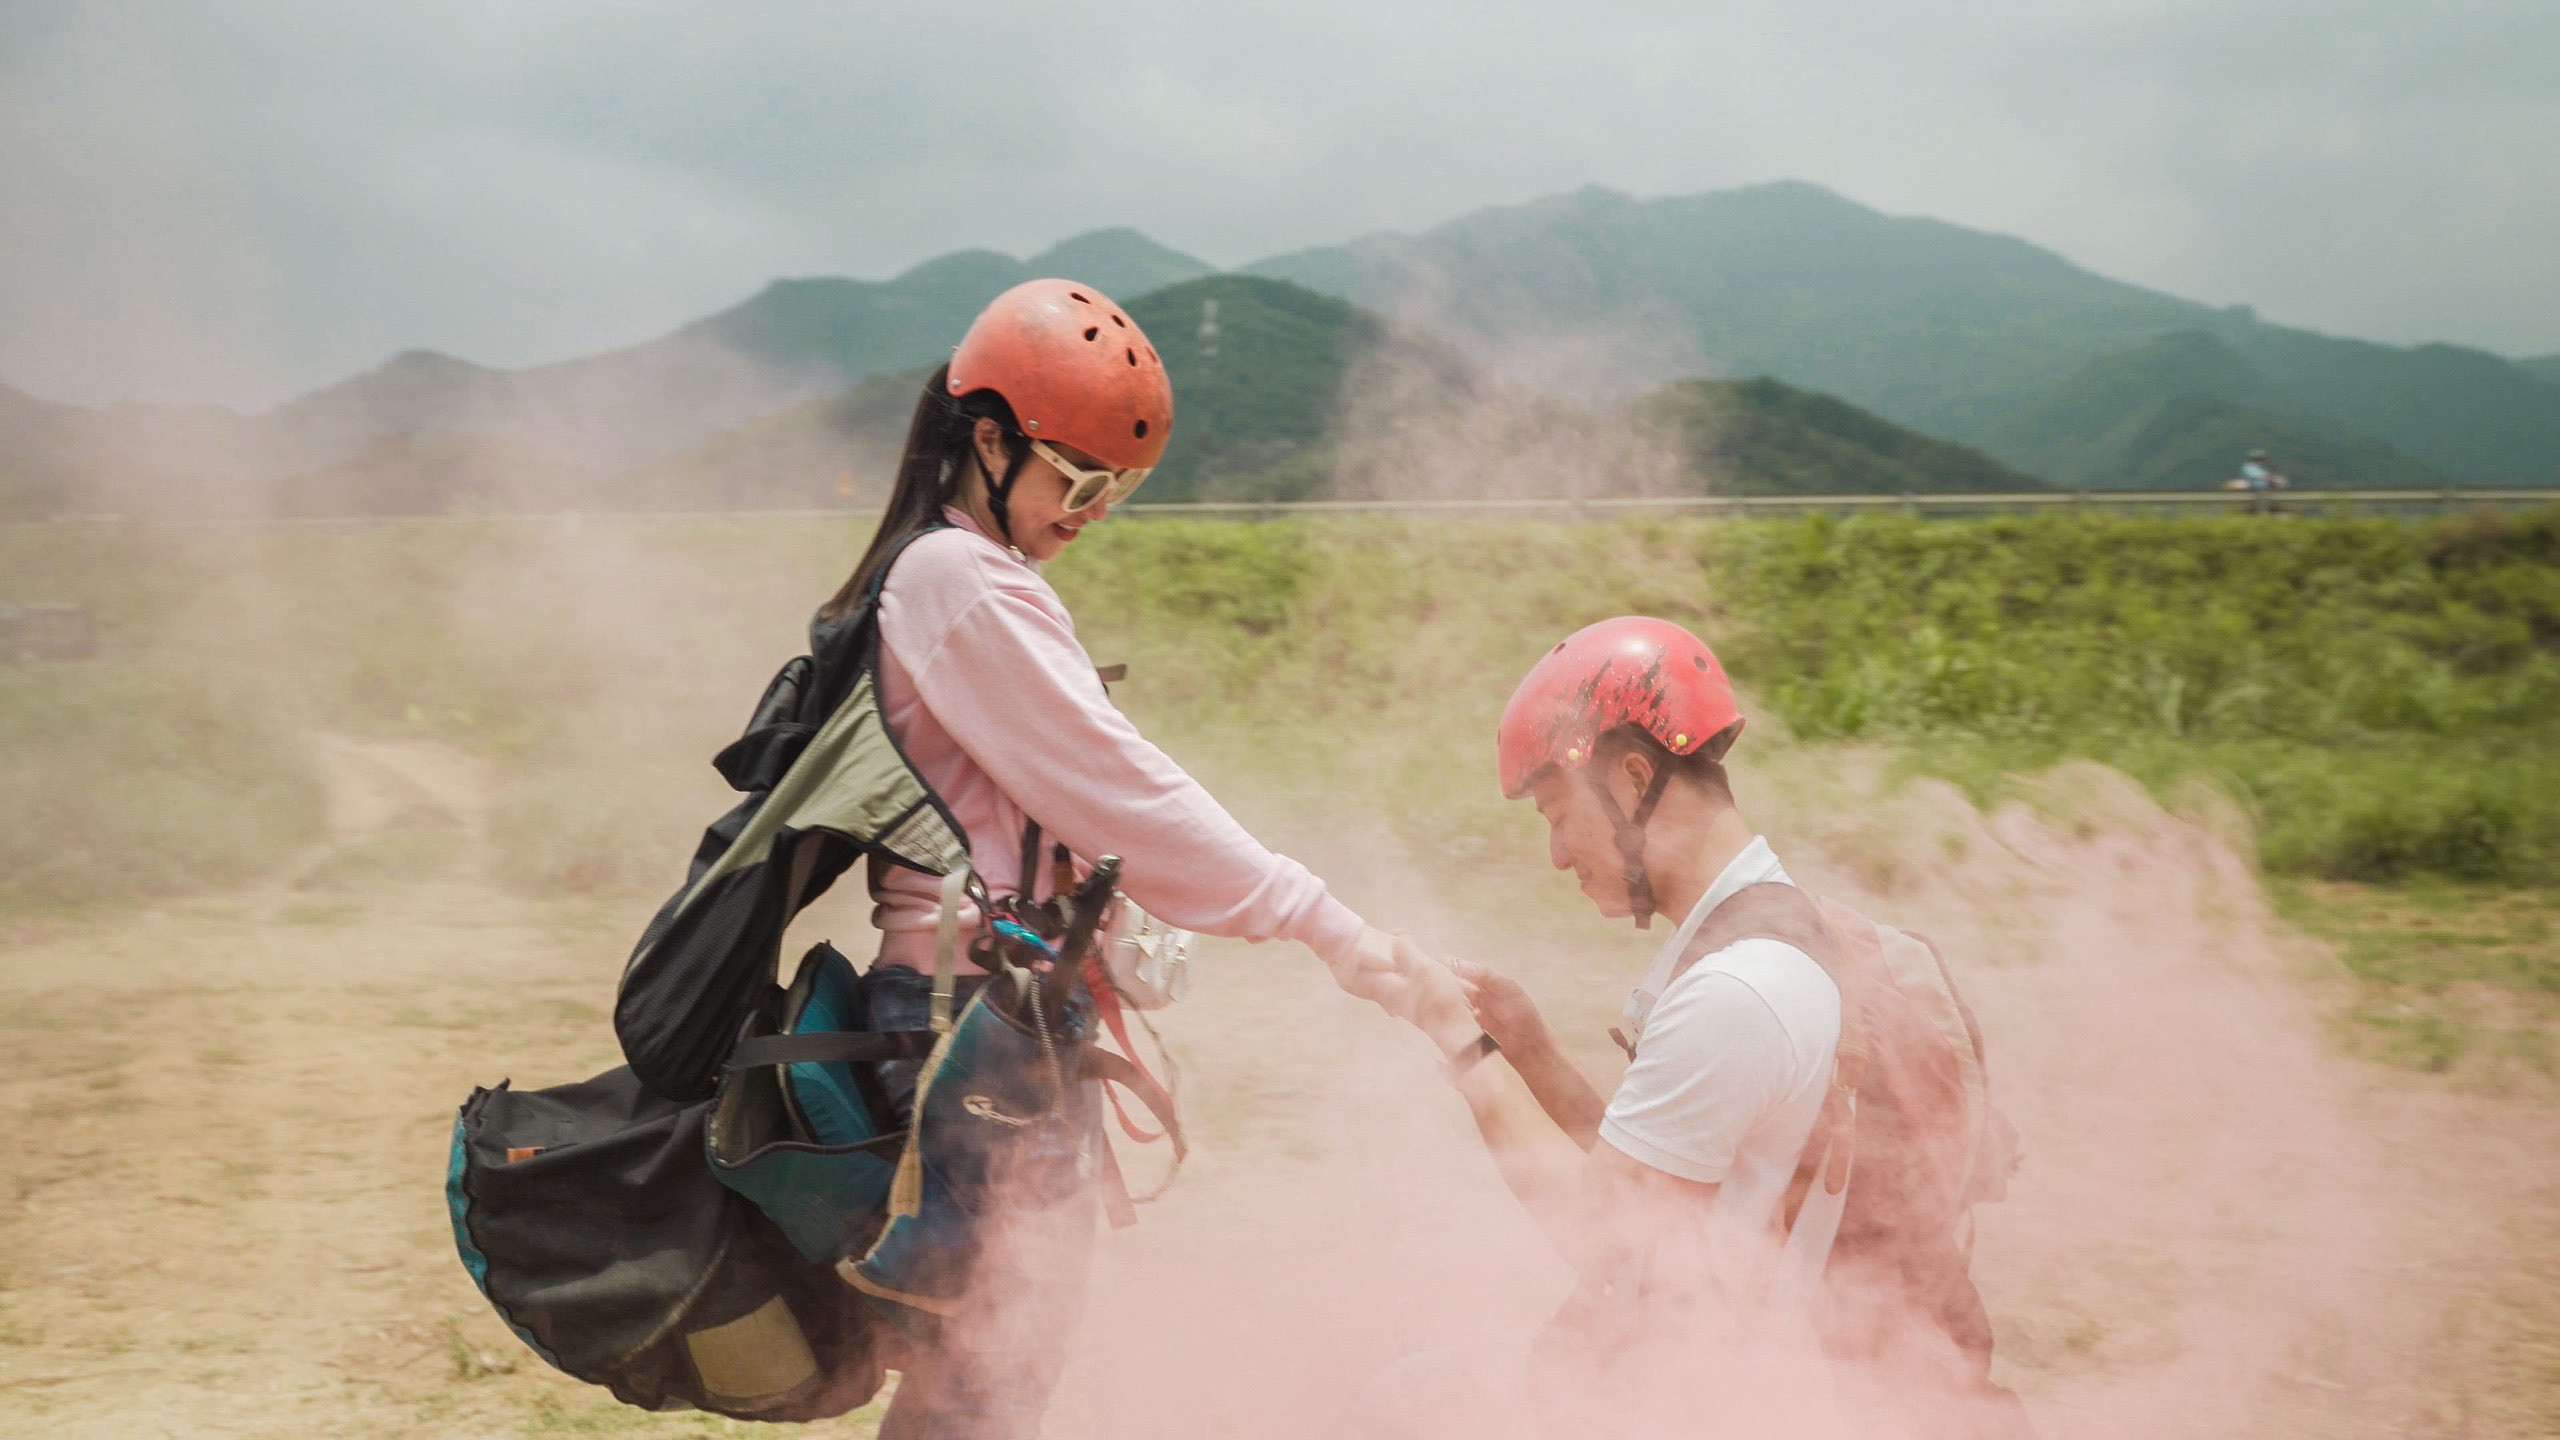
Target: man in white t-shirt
{"type": "Point", "coordinates": [1687, 1201]}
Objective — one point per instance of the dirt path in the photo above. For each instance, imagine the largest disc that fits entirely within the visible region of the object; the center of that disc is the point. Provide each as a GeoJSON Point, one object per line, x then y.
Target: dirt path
{"type": "Point", "coordinates": [226, 1118]}
{"type": "Point", "coordinates": [224, 1123]}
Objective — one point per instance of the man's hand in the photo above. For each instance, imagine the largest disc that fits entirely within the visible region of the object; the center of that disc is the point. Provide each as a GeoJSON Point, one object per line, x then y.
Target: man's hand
{"type": "Point", "coordinates": [1502, 1009]}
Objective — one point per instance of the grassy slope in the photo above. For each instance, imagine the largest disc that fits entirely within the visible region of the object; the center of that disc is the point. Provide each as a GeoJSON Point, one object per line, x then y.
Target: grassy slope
{"type": "Point", "coordinates": [2381, 696]}
{"type": "Point", "coordinates": [2179, 413]}
{"type": "Point", "coordinates": [2375, 691]}
{"type": "Point", "coordinates": [1765, 437]}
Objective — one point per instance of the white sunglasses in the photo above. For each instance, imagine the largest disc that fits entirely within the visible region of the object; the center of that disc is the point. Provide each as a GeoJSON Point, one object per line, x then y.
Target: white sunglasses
{"type": "Point", "coordinates": [1088, 487]}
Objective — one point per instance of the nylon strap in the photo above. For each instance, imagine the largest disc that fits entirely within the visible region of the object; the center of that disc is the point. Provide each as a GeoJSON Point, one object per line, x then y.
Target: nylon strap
{"type": "Point", "coordinates": [1630, 836]}
{"type": "Point", "coordinates": [946, 947]}
{"type": "Point", "coordinates": [1770, 910]}
{"type": "Point", "coordinates": [824, 1046]}
{"type": "Point", "coordinates": [1468, 1057]}
{"type": "Point", "coordinates": [1026, 890]}
{"type": "Point", "coordinates": [1113, 1069]}
{"type": "Point", "coordinates": [1000, 492]}
{"type": "Point", "coordinates": [1107, 1001]}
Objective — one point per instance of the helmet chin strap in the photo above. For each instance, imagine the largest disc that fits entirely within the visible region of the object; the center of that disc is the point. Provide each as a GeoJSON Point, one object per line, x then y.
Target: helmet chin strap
{"type": "Point", "coordinates": [999, 491]}
{"type": "Point", "coordinates": [1631, 838]}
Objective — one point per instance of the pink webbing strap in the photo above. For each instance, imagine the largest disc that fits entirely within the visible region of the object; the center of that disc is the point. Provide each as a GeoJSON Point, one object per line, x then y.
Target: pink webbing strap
{"type": "Point", "coordinates": [1107, 1001]}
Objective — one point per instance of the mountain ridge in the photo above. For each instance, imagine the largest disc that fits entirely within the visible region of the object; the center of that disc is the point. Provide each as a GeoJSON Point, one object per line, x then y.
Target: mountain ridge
{"type": "Point", "coordinates": [1584, 298]}
{"type": "Point", "coordinates": [1956, 332]}
{"type": "Point", "coordinates": [1308, 397]}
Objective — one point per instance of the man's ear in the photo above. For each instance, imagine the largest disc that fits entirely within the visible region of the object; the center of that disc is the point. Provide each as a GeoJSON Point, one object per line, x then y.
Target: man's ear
{"type": "Point", "coordinates": [1629, 777]}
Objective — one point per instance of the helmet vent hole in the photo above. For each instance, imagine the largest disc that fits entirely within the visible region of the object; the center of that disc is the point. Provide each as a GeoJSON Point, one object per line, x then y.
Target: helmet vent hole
{"type": "Point", "coordinates": [1092, 330]}
{"type": "Point", "coordinates": [1078, 297]}
{"type": "Point", "coordinates": [1116, 320]}
{"type": "Point", "coordinates": [1698, 661]}
{"type": "Point", "coordinates": [1132, 354]}
{"type": "Point", "coordinates": [1139, 429]}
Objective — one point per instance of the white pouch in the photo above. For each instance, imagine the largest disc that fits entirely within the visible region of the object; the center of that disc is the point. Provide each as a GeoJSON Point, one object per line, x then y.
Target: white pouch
{"type": "Point", "coordinates": [1149, 961]}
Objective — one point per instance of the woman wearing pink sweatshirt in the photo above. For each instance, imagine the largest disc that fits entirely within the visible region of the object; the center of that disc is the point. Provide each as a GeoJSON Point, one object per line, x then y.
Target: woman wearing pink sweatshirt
{"type": "Point", "coordinates": [1052, 410]}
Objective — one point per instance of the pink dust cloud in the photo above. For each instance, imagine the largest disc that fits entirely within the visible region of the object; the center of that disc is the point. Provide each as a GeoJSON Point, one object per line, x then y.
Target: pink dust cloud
{"type": "Point", "coordinates": [2189, 1247]}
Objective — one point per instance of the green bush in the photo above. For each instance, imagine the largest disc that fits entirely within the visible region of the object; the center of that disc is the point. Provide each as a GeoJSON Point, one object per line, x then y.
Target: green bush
{"type": "Point", "coordinates": [2383, 694]}
{"type": "Point", "coordinates": [2238, 627]}
{"type": "Point", "coordinates": [2462, 827]}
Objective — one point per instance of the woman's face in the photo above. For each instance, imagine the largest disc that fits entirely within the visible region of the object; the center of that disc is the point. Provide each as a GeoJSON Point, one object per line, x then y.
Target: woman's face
{"type": "Point", "coordinates": [1042, 525]}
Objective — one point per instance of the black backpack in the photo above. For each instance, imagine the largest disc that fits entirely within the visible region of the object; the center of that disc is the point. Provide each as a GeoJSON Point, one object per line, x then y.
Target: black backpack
{"type": "Point", "coordinates": [825, 785]}
{"type": "Point", "coordinates": [670, 1229]}
{"type": "Point", "coordinates": [728, 1221]}
{"type": "Point", "coordinates": [592, 1219]}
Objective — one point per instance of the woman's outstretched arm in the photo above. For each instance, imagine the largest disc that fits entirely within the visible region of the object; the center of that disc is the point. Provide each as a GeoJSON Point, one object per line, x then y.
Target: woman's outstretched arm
{"type": "Point", "coordinates": [1007, 678]}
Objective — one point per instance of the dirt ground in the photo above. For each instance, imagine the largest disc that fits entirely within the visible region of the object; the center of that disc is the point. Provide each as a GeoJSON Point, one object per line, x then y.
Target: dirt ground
{"type": "Point", "coordinates": [225, 1123]}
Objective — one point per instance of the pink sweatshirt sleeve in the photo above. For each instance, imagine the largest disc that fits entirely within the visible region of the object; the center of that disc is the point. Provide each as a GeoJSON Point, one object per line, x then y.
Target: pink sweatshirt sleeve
{"type": "Point", "coordinates": [1011, 683]}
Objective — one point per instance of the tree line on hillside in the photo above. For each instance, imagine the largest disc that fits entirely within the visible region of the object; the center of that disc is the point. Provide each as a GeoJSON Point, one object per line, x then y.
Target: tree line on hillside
{"type": "Point", "coordinates": [1572, 344]}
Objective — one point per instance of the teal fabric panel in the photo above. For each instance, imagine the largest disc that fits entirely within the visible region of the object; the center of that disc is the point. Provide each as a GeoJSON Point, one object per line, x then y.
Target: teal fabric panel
{"type": "Point", "coordinates": [819, 1201]}
{"type": "Point", "coordinates": [825, 1092]}
{"type": "Point", "coordinates": [457, 1201]}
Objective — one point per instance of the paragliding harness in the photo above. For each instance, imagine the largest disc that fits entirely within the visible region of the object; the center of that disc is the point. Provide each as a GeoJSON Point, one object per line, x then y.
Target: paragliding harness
{"type": "Point", "coordinates": [726, 1222]}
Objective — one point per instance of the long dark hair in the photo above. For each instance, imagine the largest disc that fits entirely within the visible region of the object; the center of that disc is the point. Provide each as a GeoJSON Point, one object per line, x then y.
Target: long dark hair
{"type": "Point", "coordinates": [930, 469]}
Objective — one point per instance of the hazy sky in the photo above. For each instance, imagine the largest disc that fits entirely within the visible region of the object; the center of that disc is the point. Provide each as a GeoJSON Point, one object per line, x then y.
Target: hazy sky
{"type": "Point", "coordinates": [237, 201]}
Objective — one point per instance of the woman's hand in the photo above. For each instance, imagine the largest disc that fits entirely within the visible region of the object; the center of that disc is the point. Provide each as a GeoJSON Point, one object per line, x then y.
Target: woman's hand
{"type": "Point", "coordinates": [1393, 973]}
{"type": "Point", "coordinates": [1501, 1008]}
{"type": "Point", "coordinates": [1431, 997]}
{"type": "Point", "coordinates": [1369, 969]}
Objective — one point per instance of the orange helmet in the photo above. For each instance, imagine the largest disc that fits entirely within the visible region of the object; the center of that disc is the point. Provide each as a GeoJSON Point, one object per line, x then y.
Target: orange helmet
{"type": "Point", "coordinates": [1633, 670]}
{"type": "Point", "coordinates": [1075, 368]}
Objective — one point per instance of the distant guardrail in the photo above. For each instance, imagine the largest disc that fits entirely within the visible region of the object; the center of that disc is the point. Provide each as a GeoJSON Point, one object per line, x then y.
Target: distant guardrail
{"type": "Point", "coordinates": [1565, 506]}
{"type": "Point", "coordinates": [1916, 503]}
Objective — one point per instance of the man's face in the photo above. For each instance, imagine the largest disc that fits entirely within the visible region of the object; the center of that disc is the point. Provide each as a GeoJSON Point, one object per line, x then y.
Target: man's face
{"type": "Point", "coordinates": [1581, 839]}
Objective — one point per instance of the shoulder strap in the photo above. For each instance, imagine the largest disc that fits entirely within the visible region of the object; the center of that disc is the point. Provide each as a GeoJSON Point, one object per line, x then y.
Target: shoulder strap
{"type": "Point", "coordinates": [1769, 910]}
{"type": "Point", "coordinates": [1027, 887]}
{"type": "Point", "coordinates": [839, 647]}
{"type": "Point", "coordinates": [1775, 910]}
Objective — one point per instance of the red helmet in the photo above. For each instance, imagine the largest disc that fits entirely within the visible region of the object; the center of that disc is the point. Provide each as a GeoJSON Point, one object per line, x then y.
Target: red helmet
{"type": "Point", "coordinates": [1629, 671]}
{"type": "Point", "coordinates": [1075, 368]}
